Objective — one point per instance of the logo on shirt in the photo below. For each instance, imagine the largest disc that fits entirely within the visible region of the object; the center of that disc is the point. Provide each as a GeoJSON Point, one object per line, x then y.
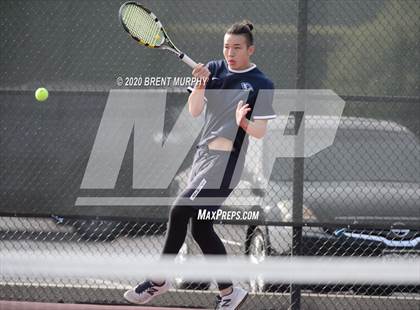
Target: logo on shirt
{"type": "Point", "coordinates": [246, 86]}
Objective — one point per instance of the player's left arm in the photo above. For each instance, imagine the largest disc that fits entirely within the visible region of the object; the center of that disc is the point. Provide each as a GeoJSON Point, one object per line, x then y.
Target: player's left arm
{"type": "Point", "coordinates": [256, 128]}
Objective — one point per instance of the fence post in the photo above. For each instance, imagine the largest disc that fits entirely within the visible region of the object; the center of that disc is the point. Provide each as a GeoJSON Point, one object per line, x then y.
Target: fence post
{"type": "Point", "coordinates": [298, 162]}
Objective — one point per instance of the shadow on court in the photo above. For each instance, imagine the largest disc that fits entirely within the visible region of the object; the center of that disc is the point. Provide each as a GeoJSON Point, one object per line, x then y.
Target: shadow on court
{"type": "Point", "coordinates": [19, 305]}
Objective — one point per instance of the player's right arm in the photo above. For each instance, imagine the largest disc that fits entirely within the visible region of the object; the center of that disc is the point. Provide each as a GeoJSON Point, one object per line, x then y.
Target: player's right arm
{"type": "Point", "coordinates": [196, 98]}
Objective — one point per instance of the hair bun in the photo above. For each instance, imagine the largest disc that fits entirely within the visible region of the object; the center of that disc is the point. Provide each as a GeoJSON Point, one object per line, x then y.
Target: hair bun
{"type": "Point", "coordinates": [249, 24]}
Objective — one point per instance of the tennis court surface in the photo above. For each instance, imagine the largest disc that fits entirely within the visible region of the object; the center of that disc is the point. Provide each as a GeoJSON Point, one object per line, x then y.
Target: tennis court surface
{"type": "Point", "coordinates": [18, 305]}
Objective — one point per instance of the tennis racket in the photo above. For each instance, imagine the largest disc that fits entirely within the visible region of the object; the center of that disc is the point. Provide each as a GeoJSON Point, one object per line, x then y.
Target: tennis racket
{"type": "Point", "coordinates": [146, 29]}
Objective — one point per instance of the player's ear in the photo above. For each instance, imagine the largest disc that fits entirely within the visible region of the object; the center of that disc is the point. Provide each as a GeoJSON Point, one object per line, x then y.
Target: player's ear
{"type": "Point", "coordinates": [251, 50]}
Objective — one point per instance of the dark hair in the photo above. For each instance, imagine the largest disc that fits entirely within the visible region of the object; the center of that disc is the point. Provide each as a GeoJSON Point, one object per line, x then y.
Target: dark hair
{"type": "Point", "coordinates": [243, 28]}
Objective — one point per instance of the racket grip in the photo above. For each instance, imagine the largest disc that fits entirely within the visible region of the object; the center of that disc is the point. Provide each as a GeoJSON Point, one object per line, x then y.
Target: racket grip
{"type": "Point", "coordinates": [187, 60]}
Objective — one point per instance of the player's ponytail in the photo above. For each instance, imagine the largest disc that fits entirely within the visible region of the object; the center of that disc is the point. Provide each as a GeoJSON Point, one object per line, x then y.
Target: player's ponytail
{"type": "Point", "coordinates": [243, 28]}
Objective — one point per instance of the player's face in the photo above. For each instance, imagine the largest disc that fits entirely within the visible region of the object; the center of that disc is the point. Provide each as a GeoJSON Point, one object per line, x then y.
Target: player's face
{"type": "Point", "coordinates": [236, 51]}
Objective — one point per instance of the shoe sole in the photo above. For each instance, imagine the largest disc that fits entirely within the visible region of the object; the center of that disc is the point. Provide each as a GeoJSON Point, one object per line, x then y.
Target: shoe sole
{"type": "Point", "coordinates": [135, 302]}
{"type": "Point", "coordinates": [242, 301]}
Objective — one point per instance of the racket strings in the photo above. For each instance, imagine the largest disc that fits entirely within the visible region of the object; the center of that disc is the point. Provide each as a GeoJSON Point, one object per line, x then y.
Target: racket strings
{"type": "Point", "coordinates": [142, 25]}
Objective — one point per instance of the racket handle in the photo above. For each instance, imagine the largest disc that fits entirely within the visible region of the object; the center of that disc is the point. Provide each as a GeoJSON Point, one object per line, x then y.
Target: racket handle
{"type": "Point", "coordinates": [187, 60]}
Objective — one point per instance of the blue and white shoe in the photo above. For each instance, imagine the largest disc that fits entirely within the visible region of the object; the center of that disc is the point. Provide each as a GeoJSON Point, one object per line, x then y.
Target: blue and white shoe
{"type": "Point", "coordinates": [145, 292]}
{"type": "Point", "coordinates": [232, 301]}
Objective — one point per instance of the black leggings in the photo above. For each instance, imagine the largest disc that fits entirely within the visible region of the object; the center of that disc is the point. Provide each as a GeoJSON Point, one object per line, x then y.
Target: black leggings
{"type": "Point", "coordinates": [202, 231]}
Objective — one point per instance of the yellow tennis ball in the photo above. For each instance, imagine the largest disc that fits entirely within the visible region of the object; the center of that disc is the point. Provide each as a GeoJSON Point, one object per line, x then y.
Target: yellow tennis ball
{"type": "Point", "coordinates": [41, 94]}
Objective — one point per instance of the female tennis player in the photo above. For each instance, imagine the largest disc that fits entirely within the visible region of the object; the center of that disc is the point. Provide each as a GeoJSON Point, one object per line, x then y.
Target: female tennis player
{"type": "Point", "coordinates": [219, 160]}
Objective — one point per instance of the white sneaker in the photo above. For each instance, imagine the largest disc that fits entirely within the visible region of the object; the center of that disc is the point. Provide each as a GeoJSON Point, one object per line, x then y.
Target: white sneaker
{"type": "Point", "coordinates": [145, 292]}
{"type": "Point", "coordinates": [232, 301]}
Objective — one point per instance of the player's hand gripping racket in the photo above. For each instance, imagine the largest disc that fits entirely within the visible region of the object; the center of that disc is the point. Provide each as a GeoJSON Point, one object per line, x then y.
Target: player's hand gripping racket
{"type": "Point", "coordinates": [146, 29]}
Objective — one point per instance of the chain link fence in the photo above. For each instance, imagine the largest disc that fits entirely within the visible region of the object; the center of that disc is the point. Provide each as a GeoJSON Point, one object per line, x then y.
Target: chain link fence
{"type": "Point", "coordinates": [358, 197]}
{"type": "Point", "coordinates": [63, 236]}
